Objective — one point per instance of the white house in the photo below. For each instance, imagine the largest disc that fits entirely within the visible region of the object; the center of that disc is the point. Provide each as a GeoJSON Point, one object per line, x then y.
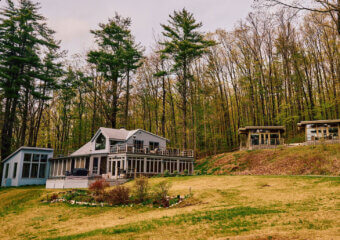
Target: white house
{"type": "Point", "coordinates": [120, 154]}
{"type": "Point", "coordinates": [26, 166]}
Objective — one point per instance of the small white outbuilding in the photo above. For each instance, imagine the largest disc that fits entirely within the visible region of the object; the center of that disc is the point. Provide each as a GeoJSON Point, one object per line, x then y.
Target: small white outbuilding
{"type": "Point", "coordinates": [26, 166]}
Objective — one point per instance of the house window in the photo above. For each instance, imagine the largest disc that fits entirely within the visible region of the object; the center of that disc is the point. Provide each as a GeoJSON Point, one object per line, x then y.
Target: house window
{"type": "Point", "coordinates": [274, 139]}
{"type": "Point", "coordinates": [15, 170]}
{"type": "Point", "coordinates": [333, 131]}
{"type": "Point", "coordinates": [113, 142]}
{"type": "Point", "coordinates": [153, 145]}
{"type": "Point", "coordinates": [7, 167]}
{"type": "Point", "coordinates": [100, 142]}
{"type": "Point", "coordinates": [138, 144]}
{"type": "Point", "coordinates": [34, 166]}
{"type": "Point", "coordinates": [255, 139]}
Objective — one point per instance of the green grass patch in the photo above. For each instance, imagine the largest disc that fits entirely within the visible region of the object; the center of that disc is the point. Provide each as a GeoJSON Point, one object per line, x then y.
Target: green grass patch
{"type": "Point", "coordinates": [222, 221]}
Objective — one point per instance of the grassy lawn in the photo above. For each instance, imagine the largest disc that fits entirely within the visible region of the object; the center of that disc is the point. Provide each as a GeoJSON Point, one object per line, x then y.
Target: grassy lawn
{"type": "Point", "coordinates": [234, 207]}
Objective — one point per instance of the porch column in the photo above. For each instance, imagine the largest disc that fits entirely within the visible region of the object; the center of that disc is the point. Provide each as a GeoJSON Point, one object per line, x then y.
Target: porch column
{"type": "Point", "coordinates": [116, 169]}
{"type": "Point", "coordinates": [162, 165]}
{"type": "Point", "coordinates": [99, 162]}
{"type": "Point", "coordinates": [126, 163]}
{"type": "Point", "coordinates": [144, 170]}
{"type": "Point", "coordinates": [90, 165]}
{"type": "Point", "coordinates": [177, 165]}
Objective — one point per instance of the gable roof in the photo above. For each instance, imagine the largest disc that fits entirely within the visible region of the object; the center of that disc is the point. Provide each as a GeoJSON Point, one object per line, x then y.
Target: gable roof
{"type": "Point", "coordinates": [242, 130]}
{"type": "Point", "coordinates": [26, 148]}
{"type": "Point", "coordinates": [120, 134]}
{"type": "Point", "coordinates": [110, 133]}
{"type": "Point", "coordinates": [84, 150]}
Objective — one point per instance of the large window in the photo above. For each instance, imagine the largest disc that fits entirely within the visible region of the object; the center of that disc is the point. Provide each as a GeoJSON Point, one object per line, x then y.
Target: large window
{"type": "Point", "coordinates": [100, 142]}
{"type": "Point", "coordinates": [138, 144]}
{"type": "Point", "coordinates": [333, 132]}
{"type": "Point", "coordinates": [274, 139]}
{"type": "Point", "coordinates": [153, 145]}
{"type": "Point", "coordinates": [34, 166]}
{"type": "Point", "coordinates": [255, 139]}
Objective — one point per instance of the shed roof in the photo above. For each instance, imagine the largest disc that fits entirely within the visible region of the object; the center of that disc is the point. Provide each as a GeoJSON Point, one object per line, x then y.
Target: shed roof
{"type": "Point", "coordinates": [319, 121]}
{"type": "Point", "coordinates": [26, 148]}
{"type": "Point", "coordinates": [261, 128]}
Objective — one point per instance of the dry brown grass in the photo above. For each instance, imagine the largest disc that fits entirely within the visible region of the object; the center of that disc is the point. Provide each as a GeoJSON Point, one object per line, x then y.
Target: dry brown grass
{"type": "Point", "coordinates": [308, 209]}
{"type": "Point", "coordinates": [308, 160]}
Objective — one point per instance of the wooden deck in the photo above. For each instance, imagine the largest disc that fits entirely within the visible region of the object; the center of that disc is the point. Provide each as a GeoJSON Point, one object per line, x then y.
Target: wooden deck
{"type": "Point", "coordinates": [125, 148]}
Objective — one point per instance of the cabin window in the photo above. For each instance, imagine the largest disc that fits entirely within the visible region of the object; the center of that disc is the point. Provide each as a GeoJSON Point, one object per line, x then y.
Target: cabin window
{"type": "Point", "coordinates": [27, 157]}
{"type": "Point", "coordinates": [274, 139]}
{"type": "Point", "coordinates": [26, 170]}
{"type": "Point", "coordinates": [255, 139]}
{"type": "Point", "coordinates": [15, 170]}
{"type": "Point", "coordinates": [333, 131]}
{"type": "Point", "coordinates": [42, 170]}
{"type": "Point", "coordinates": [113, 142]}
{"type": "Point", "coordinates": [7, 167]}
{"type": "Point", "coordinates": [138, 144]}
{"type": "Point", "coordinates": [153, 145]}
{"type": "Point", "coordinates": [34, 166]}
{"type": "Point", "coordinates": [100, 142]}
{"type": "Point", "coordinates": [43, 158]}
{"type": "Point", "coordinates": [34, 170]}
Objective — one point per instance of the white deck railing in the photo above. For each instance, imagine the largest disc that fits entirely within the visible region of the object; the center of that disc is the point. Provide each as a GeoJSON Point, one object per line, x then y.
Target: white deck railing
{"type": "Point", "coordinates": [125, 148]}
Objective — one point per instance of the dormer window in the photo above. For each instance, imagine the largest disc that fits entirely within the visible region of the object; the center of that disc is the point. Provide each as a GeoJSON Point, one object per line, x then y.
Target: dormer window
{"type": "Point", "coordinates": [100, 142]}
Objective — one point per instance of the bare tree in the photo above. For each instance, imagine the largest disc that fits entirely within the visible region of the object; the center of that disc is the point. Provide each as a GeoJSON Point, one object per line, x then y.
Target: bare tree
{"type": "Point", "coordinates": [330, 7]}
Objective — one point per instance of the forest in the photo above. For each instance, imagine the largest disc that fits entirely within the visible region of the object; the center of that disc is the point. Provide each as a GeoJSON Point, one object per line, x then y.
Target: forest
{"type": "Point", "coordinates": [195, 88]}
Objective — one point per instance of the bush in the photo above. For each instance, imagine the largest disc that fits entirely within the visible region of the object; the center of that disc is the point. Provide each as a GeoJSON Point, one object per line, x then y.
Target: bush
{"type": "Point", "coordinates": [161, 191]}
{"type": "Point", "coordinates": [166, 173]}
{"type": "Point", "coordinates": [118, 195]}
{"type": "Point", "coordinates": [141, 189]}
{"type": "Point", "coordinates": [186, 172]}
{"type": "Point", "coordinates": [98, 187]}
{"type": "Point", "coordinates": [53, 197]}
{"type": "Point", "coordinates": [176, 173]}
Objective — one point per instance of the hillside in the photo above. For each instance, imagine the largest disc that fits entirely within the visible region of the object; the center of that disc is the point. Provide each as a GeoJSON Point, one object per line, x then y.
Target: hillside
{"type": "Point", "coordinates": [301, 160]}
{"type": "Point", "coordinates": [222, 207]}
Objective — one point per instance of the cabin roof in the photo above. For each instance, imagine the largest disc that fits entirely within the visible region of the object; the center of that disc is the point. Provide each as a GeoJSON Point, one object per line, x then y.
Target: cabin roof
{"type": "Point", "coordinates": [319, 121]}
{"type": "Point", "coordinates": [112, 134]}
{"type": "Point", "coordinates": [246, 128]}
{"type": "Point", "coordinates": [26, 148]}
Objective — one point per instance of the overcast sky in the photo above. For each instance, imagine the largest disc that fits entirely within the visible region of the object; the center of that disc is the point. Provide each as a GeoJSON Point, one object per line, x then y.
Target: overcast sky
{"type": "Point", "coordinates": [73, 19]}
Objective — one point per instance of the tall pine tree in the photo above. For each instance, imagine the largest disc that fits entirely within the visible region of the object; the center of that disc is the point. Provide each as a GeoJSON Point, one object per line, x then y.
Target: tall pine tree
{"type": "Point", "coordinates": [184, 43]}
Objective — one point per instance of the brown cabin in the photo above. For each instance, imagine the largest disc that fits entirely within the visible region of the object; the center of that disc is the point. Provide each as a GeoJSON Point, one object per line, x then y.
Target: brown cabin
{"type": "Point", "coordinates": [327, 130]}
{"type": "Point", "coordinates": [261, 137]}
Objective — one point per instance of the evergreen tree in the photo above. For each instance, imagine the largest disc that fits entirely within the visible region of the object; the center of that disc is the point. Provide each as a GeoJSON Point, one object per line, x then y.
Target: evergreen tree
{"type": "Point", "coordinates": [117, 54]}
{"type": "Point", "coordinates": [24, 74]}
{"type": "Point", "coordinates": [183, 44]}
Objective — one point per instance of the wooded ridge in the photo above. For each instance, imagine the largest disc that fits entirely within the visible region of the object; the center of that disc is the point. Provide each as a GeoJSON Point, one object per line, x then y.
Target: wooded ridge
{"type": "Point", "coordinates": [196, 89]}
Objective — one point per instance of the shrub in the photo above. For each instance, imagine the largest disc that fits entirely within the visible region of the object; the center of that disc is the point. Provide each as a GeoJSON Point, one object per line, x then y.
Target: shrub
{"type": "Point", "coordinates": [176, 173]}
{"type": "Point", "coordinates": [186, 172]}
{"type": "Point", "coordinates": [98, 187]}
{"type": "Point", "coordinates": [118, 195]}
{"type": "Point", "coordinates": [166, 173]}
{"type": "Point", "coordinates": [53, 197]}
{"type": "Point", "coordinates": [141, 189]}
{"type": "Point", "coordinates": [161, 191]}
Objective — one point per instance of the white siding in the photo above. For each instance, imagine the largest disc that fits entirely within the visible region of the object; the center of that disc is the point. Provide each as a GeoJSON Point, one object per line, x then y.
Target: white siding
{"type": "Point", "coordinates": [147, 137]}
{"type": "Point", "coordinates": [18, 180]}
